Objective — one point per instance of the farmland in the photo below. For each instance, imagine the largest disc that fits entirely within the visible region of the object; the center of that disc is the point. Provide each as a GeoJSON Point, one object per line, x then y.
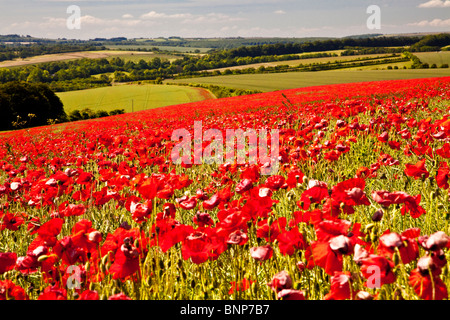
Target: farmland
{"type": "Point", "coordinates": [131, 97]}
{"type": "Point", "coordinates": [291, 80]}
{"type": "Point", "coordinates": [362, 185]}
{"type": "Point", "coordinates": [128, 56]}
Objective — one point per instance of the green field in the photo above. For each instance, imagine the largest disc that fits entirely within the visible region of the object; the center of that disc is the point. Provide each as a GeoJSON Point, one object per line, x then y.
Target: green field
{"type": "Point", "coordinates": [438, 58]}
{"type": "Point", "coordinates": [292, 80]}
{"type": "Point", "coordinates": [131, 97]}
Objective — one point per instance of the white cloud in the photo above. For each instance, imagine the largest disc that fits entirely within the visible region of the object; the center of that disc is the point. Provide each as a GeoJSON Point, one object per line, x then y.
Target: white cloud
{"type": "Point", "coordinates": [127, 16]}
{"type": "Point", "coordinates": [279, 12]}
{"type": "Point", "coordinates": [158, 15]}
{"type": "Point", "coordinates": [435, 4]}
{"type": "Point", "coordinates": [432, 23]}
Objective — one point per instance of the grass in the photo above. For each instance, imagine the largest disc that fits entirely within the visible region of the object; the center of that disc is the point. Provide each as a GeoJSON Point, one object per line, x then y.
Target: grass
{"type": "Point", "coordinates": [291, 80]}
{"type": "Point", "coordinates": [131, 97]}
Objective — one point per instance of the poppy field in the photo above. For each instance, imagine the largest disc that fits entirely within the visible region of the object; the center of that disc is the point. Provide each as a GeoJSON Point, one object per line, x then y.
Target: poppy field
{"type": "Point", "coordinates": [358, 209]}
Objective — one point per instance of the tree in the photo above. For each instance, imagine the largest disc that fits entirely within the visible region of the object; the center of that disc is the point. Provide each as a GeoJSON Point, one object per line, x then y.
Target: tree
{"type": "Point", "coordinates": [32, 104]}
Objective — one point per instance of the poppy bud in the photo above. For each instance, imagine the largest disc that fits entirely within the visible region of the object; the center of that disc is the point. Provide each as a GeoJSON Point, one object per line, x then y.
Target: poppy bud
{"type": "Point", "coordinates": [42, 258]}
{"type": "Point", "coordinates": [377, 215]}
{"type": "Point", "coordinates": [396, 258]}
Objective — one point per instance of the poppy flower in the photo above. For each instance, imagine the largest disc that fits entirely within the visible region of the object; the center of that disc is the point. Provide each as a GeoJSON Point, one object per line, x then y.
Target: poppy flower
{"type": "Point", "coordinates": [187, 203]}
{"type": "Point", "coordinates": [7, 261]}
{"type": "Point", "coordinates": [391, 242]}
{"type": "Point", "coordinates": [377, 270]}
{"type": "Point", "coordinates": [290, 241]}
{"type": "Point", "coordinates": [444, 151]}
{"type": "Point", "coordinates": [328, 254]}
{"type": "Point", "coordinates": [237, 237]}
{"type": "Point", "coordinates": [261, 253]}
{"type": "Point", "coordinates": [291, 294]}
{"type": "Point", "coordinates": [53, 293]}
{"type": "Point", "coordinates": [12, 221]}
{"type": "Point", "coordinates": [119, 296]}
{"type": "Point", "coordinates": [426, 282]}
{"type": "Point", "coordinates": [202, 245]}
{"type": "Point", "coordinates": [442, 175]}
{"type": "Point", "coordinates": [211, 203]}
{"type": "Point", "coordinates": [275, 182]}
{"type": "Point", "coordinates": [418, 170]}
{"type": "Point", "coordinates": [435, 241]}
{"type": "Point", "coordinates": [282, 280]}
{"type": "Point", "coordinates": [312, 195]}
{"type": "Point", "coordinates": [10, 291]}
{"type": "Point", "coordinates": [294, 176]}
{"type": "Point", "coordinates": [341, 287]}
{"type": "Point", "coordinates": [89, 295]}
{"type": "Point", "coordinates": [242, 285]}
{"type": "Point", "coordinates": [126, 260]}
{"type": "Point", "coordinates": [271, 232]}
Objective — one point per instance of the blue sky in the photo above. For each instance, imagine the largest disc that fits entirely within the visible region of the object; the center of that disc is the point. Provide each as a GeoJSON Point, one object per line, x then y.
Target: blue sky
{"type": "Point", "coordinates": [219, 18]}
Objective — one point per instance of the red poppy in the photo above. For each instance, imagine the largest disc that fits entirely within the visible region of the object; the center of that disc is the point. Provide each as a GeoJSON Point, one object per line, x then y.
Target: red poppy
{"type": "Point", "coordinates": [291, 294]}
{"type": "Point", "coordinates": [271, 232]}
{"type": "Point", "coordinates": [126, 260]}
{"type": "Point", "coordinates": [444, 151]}
{"type": "Point", "coordinates": [377, 270]}
{"type": "Point", "coordinates": [275, 182]}
{"type": "Point", "coordinates": [341, 287]}
{"type": "Point", "coordinates": [237, 237]}
{"type": "Point", "coordinates": [211, 203]}
{"type": "Point", "coordinates": [312, 195]}
{"type": "Point", "coordinates": [7, 261]}
{"type": "Point", "coordinates": [290, 241]}
{"type": "Point", "coordinates": [89, 295]}
{"type": "Point", "coordinates": [12, 221]}
{"type": "Point", "coordinates": [187, 203]}
{"type": "Point", "coordinates": [294, 176]}
{"type": "Point", "coordinates": [282, 280]}
{"type": "Point", "coordinates": [10, 291]}
{"type": "Point", "coordinates": [328, 254]}
{"type": "Point", "coordinates": [119, 296]}
{"type": "Point", "coordinates": [418, 170]}
{"type": "Point", "coordinates": [426, 281]}
{"type": "Point", "coordinates": [261, 253]}
{"type": "Point", "coordinates": [391, 242]}
{"type": "Point", "coordinates": [202, 245]}
{"type": "Point", "coordinates": [443, 175]}
{"type": "Point", "coordinates": [53, 293]}
{"type": "Point", "coordinates": [242, 285]}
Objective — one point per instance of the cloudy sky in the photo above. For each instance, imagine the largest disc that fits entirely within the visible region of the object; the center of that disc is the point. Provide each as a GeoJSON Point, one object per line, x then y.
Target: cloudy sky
{"type": "Point", "coordinates": [219, 18]}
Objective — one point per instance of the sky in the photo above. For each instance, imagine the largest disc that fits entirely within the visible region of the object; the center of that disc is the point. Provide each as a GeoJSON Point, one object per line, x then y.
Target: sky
{"type": "Point", "coordinates": [219, 18]}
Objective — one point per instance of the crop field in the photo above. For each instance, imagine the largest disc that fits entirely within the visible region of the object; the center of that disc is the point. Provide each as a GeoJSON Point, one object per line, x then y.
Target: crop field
{"type": "Point", "coordinates": [349, 202]}
{"type": "Point", "coordinates": [437, 58]}
{"type": "Point", "coordinates": [131, 97]}
{"type": "Point", "coordinates": [291, 80]}
{"type": "Point", "coordinates": [308, 61]}
{"type": "Point", "coordinates": [131, 55]}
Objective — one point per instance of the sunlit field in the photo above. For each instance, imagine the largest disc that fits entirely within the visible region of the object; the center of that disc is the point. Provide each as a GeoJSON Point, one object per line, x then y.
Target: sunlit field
{"type": "Point", "coordinates": [358, 208]}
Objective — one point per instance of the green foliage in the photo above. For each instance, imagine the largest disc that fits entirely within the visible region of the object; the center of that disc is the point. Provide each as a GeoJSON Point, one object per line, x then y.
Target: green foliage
{"type": "Point", "coordinates": [24, 105]}
{"type": "Point", "coordinates": [86, 114]}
